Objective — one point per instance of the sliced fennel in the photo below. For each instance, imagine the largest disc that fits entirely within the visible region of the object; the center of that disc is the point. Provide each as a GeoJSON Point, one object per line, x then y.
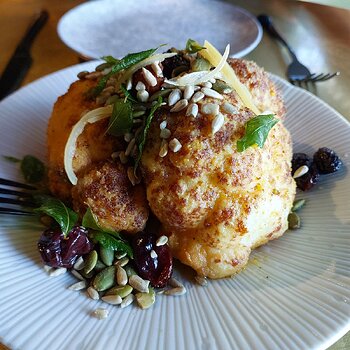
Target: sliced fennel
{"type": "Point", "coordinates": [89, 118]}
{"type": "Point", "coordinates": [203, 76]}
{"type": "Point", "coordinates": [214, 57]}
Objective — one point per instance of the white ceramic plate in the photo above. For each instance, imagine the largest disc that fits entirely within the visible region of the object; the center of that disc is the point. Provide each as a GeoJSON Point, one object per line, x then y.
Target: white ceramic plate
{"type": "Point", "coordinates": [295, 294]}
{"type": "Point", "coordinates": [115, 27]}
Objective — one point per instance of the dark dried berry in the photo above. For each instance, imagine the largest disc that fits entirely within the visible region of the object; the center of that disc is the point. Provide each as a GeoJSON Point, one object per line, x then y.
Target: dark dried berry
{"type": "Point", "coordinates": [171, 63]}
{"type": "Point", "coordinates": [307, 181]}
{"type": "Point", "coordinates": [58, 251]}
{"type": "Point", "coordinates": [156, 269]}
{"type": "Point", "coordinates": [139, 76]}
{"type": "Point", "coordinates": [327, 161]}
{"type": "Point", "coordinates": [300, 159]}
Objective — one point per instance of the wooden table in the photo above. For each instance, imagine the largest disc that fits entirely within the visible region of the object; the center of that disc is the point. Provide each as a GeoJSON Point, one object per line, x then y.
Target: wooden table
{"type": "Point", "coordinates": [319, 34]}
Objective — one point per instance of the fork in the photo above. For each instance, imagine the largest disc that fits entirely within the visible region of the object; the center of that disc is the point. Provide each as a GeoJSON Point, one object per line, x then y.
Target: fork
{"type": "Point", "coordinates": [297, 73]}
{"type": "Point", "coordinates": [22, 197]}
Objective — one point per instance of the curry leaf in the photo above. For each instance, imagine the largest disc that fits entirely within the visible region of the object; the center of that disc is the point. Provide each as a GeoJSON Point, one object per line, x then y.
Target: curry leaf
{"type": "Point", "coordinates": [110, 242]}
{"type": "Point", "coordinates": [128, 95]}
{"type": "Point", "coordinates": [256, 131]}
{"type": "Point", "coordinates": [11, 159]}
{"type": "Point", "coordinates": [110, 59]}
{"type": "Point", "coordinates": [193, 46]}
{"type": "Point", "coordinates": [90, 221]}
{"type": "Point", "coordinates": [53, 207]}
{"type": "Point", "coordinates": [121, 119]}
{"type": "Point", "coordinates": [143, 135]}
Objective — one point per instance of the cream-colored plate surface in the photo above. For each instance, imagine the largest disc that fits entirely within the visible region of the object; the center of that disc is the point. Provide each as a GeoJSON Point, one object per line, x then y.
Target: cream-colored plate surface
{"type": "Point", "coordinates": [295, 294]}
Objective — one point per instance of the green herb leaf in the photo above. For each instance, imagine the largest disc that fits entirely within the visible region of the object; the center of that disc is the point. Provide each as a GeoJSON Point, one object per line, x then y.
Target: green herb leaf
{"type": "Point", "coordinates": [53, 207]}
{"type": "Point", "coordinates": [126, 62]}
{"type": "Point", "coordinates": [128, 95]}
{"type": "Point", "coordinates": [90, 221]}
{"type": "Point", "coordinates": [193, 46]}
{"type": "Point", "coordinates": [11, 159]}
{"type": "Point", "coordinates": [121, 119]}
{"type": "Point", "coordinates": [256, 131]}
{"type": "Point", "coordinates": [110, 242]}
{"type": "Point", "coordinates": [110, 59]}
{"type": "Point", "coordinates": [142, 141]}
{"type": "Point", "coordinates": [32, 169]}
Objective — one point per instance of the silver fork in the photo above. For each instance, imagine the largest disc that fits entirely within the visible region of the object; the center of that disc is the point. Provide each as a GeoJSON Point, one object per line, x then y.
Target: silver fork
{"type": "Point", "coordinates": [297, 73]}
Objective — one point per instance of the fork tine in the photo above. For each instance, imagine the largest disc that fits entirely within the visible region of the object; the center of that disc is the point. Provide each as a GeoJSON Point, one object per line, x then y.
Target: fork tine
{"type": "Point", "coordinates": [14, 193]}
{"type": "Point", "coordinates": [319, 76]}
{"type": "Point", "coordinates": [17, 202]}
{"type": "Point", "coordinates": [10, 211]}
{"type": "Point", "coordinates": [16, 184]}
{"type": "Point", "coordinates": [329, 76]}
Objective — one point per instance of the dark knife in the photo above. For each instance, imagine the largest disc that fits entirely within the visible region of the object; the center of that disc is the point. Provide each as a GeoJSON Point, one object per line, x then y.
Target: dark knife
{"type": "Point", "coordinates": [21, 60]}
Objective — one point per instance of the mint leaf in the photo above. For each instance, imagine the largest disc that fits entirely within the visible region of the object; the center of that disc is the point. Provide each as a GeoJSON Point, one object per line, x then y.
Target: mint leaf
{"type": "Point", "coordinates": [193, 46]}
{"type": "Point", "coordinates": [143, 135]}
{"type": "Point", "coordinates": [90, 221]}
{"type": "Point", "coordinates": [53, 207]}
{"type": "Point", "coordinates": [32, 169]}
{"type": "Point", "coordinates": [128, 95]}
{"type": "Point", "coordinates": [110, 242]}
{"type": "Point", "coordinates": [11, 159]}
{"type": "Point", "coordinates": [256, 131]}
{"type": "Point", "coordinates": [121, 119]}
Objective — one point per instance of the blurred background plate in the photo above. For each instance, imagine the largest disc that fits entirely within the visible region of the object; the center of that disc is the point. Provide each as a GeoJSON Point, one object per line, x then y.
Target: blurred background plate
{"type": "Point", "coordinates": [118, 27]}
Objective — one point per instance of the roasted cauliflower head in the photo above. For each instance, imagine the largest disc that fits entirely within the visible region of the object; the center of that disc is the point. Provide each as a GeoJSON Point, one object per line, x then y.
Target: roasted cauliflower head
{"type": "Point", "coordinates": [217, 204]}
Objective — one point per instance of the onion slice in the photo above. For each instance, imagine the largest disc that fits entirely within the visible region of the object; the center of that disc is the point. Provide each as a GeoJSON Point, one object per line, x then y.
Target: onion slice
{"type": "Point", "coordinates": [196, 78]}
{"type": "Point", "coordinates": [213, 56]}
{"type": "Point", "coordinates": [89, 118]}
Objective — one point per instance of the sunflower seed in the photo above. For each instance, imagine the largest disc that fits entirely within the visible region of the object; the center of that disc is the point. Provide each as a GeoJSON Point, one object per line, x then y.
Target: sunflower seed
{"type": "Point", "coordinates": [120, 255]}
{"type": "Point", "coordinates": [176, 291]}
{"type": "Point", "coordinates": [138, 114]}
{"type": "Point", "coordinates": [175, 145]}
{"type": "Point", "coordinates": [156, 69]}
{"type": "Point", "coordinates": [140, 86]}
{"type": "Point", "coordinates": [212, 93]}
{"type": "Point", "coordinates": [192, 110]}
{"type": "Point", "coordinates": [78, 286]}
{"type": "Point", "coordinates": [132, 177]}
{"type": "Point", "coordinates": [130, 147]}
{"type": "Point", "coordinates": [149, 77]}
{"type": "Point", "coordinates": [188, 92]}
{"type": "Point", "coordinates": [217, 123]}
{"type": "Point", "coordinates": [210, 108]}
{"type": "Point", "coordinates": [122, 278]}
{"type": "Point", "coordinates": [57, 272]}
{"type": "Point", "coordinates": [128, 136]}
{"type": "Point", "coordinates": [90, 262]}
{"type": "Point", "coordinates": [175, 283]}
{"type": "Point", "coordinates": [162, 125]}
{"type": "Point", "coordinates": [139, 283]}
{"type": "Point", "coordinates": [100, 313]}
{"type": "Point", "coordinates": [146, 300]}
{"type": "Point", "coordinates": [153, 254]}
{"type": "Point", "coordinates": [127, 301]}
{"type": "Point", "coordinates": [47, 268]}
{"type": "Point", "coordinates": [163, 149]}
{"type": "Point", "coordinates": [76, 274]}
{"type": "Point", "coordinates": [82, 74]}
{"type": "Point", "coordinates": [207, 84]}
{"type": "Point", "coordinates": [162, 240]}
{"type": "Point", "coordinates": [122, 291]}
{"type": "Point", "coordinates": [93, 75]}
{"type": "Point", "coordinates": [165, 133]}
{"type": "Point", "coordinates": [300, 171]}
{"type": "Point", "coordinates": [197, 96]}
{"type": "Point", "coordinates": [93, 293]}
{"type": "Point", "coordinates": [179, 106]}
{"type": "Point", "coordinates": [102, 66]}
{"type": "Point", "coordinates": [298, 204]}
{"type": "Point", "coordinates": [106, 255]}
{"type": "Point", "coordinates": [228, 108]}
{"type": "Point", "coordinates": [174, 97]}
{"type": "Point", "coordinates": [128, 85]}
{"type": "Point", "coordinates": [112, 299]}
{"type": "Point", "coordinates": [122, 262]}
{"type": "Point", "coordinates": [212, 80]}
{"type": "Point", "coordinates": [109, 89]}
{"type": "Point", "coordinates": [105, 279]}
{"type": "Point", "coordinates": [142, 96]}
{"type": "Point", "coordinates": [123, 158]}
{"type": "Point", "coordinates": [115, 155]}
{"type": "Point", "coordinates": [201, 280]}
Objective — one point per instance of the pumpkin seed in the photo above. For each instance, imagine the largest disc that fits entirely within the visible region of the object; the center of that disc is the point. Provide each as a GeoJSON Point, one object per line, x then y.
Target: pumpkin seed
{"type": "Point", "coordinates": [127, 300]}
{"type": "Point", "coordinates": [122, 291]}
{"type": "Point", "coordinates": [87, 275]}
{"type": "Point", "coordinates": [99, 266]}
{"type": "Point", "coordinates": [122, 262]}
{"type": "Point", "coordinates": [93, 293]}
{"type": "Point", "coordinates": [200, 64]}
{"type": "Point", "coordinates": [293, 221]}
{"type": "Point", "coordinates": [90, 262]}
{"type": "Point", "coordinates": [112, 299]}
{"type": "Point", "coordinates": [221, 87]}
{"type": "Point", "coordinates": [146, 300]}
{"type": "Point", "coordinates": [129, 271]}
{"type": "Point", "coordinates": [298, 204]}
{"type": "Point", "coordinates": [105, 279]}
{"type": "Point", "coordinates": [120, 255]}
{"type": "Point", "coordinates": [107, 255]}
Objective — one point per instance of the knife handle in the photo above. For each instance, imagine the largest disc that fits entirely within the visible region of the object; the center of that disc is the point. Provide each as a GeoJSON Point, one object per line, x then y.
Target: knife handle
{"type": "Point", "coordinates": [32, 31]}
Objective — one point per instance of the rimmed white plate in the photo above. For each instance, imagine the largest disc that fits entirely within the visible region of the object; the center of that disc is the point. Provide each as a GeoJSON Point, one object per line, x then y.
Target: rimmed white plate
{"type": "Point", "coordinates": [115, 27]}
{"type": "Point", "coordinates": [295, 293]}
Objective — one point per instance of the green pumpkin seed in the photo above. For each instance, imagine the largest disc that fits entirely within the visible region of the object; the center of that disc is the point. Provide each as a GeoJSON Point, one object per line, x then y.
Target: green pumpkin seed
{"type": "Point", "coordinates": [293, 221]}
{"type": "Point", "coordinates": [87, 275]}
{"type": "Point", "coordinates": [298, 204]}
{"type": "Point", "coordinates": [99, 266]}
{"type": "Point", "coordinates": [146, 300]}
{"type": "Point", "coordinates": [129, 271]}
{"type": "Point", "coordinates": [107, 255]}
{"type": "Point", "coordinates": [122, 291]}
{"type": "Point", "coordinates": [200, 64]}
{"type": "Point", "coordinates": [105, 279]}
{"type": "Point", "coordinates": [221, 87]}
{"type": "Point", "coordinates": [178, 70]}
{"type": "Point", "coordinates": [162, 93]}
{"type": "Point", "coordinates": [90, 262]}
